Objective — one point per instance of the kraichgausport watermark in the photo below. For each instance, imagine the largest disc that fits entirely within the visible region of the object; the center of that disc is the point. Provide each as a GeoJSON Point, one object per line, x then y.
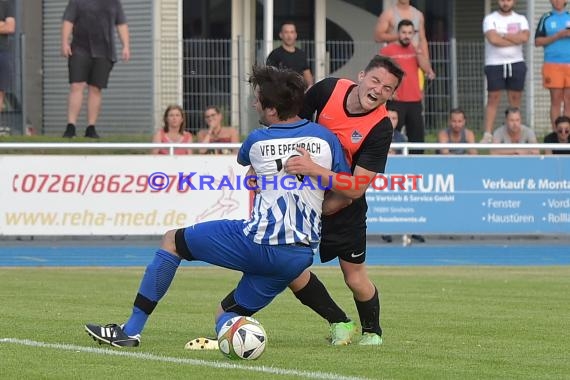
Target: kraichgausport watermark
{"type": "Point", "coordinates": [193, 181]}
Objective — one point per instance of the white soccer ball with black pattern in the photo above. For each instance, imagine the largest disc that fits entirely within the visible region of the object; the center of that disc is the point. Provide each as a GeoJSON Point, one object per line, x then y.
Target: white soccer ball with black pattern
{"type": "Point", "coordinates": [242, 338]}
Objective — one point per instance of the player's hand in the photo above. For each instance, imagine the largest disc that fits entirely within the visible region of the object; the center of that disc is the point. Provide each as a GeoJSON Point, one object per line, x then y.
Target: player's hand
{"type": "Point", "coordinates": [300, 164]}
{"type": "Point", "coordinates": [126, 54]}
{"type": "Point", "coordinates": [430, 75]}
{"type": "Point", "coordinates": [252, 181]}
{"type": "Point", "coordinates": [66, 50]}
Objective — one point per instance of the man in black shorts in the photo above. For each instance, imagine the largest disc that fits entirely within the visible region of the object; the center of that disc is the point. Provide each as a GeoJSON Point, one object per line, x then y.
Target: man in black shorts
{"type": "Point", "coordinates": [7, 28]}
{"type": "Point", "coordinates": [288, 56]}
{"type": "Point", "coordinates": [91, 54]}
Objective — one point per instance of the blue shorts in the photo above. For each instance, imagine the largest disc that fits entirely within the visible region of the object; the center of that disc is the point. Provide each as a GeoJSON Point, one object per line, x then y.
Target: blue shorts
{"type": "Point", "coordinates": [267, 269]}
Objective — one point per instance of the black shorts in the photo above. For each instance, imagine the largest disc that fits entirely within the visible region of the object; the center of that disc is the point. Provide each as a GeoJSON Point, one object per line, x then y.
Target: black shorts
{"type": "Point", "coordinates": [506, 77]}
{"type": "Point", "coordinates": [348, 244]}
{"type": "Point", "coordinates": [94, 71]}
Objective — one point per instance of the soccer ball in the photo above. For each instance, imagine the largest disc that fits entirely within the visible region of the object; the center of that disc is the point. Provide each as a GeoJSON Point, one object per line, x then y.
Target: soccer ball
{"type": "Point", "coordinates": [242, 338]}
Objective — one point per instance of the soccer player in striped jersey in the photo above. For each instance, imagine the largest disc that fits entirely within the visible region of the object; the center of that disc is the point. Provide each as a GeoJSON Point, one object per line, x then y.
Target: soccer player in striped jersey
{"type": "Point", "coordinates": [277, 243]}
{"type": "Point", "coordinates": [357, 115]}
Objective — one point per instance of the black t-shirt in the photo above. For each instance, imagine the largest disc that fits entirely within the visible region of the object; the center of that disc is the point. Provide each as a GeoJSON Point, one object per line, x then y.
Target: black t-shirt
{"type": "Point", "coordinates": [6, 11]}
{"type": "Point", "coordinates": [281, 58]}
{"type": "Point", "coordinates": [552, 138]}
{"type": "Point", "coordinates": [372, 155]}
{"type": "Point", "coordinates": [94, 23]}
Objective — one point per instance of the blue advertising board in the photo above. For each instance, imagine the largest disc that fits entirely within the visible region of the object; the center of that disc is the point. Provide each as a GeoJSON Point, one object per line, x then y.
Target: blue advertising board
{"type": "Point", "coordinates": [471, 195]}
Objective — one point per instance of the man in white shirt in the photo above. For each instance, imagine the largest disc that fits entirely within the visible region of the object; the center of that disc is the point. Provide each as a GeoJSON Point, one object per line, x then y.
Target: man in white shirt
{"type": "Point", "coordinates": [505, 33]}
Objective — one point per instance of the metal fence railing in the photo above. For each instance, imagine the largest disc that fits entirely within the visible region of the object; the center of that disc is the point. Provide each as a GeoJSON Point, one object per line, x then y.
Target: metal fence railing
{"type": "Point", "coordinates": [459, 67]}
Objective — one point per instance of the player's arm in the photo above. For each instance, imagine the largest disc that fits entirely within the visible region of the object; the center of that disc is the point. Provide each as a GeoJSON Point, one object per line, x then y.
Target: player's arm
{"type": "Point", "coordinates": [423, 39]}
{"type": "Point", "coordinates": [308, 76]}
{"type": "Point", "coordinates": [425, 65]}
{"type": "Point", "coordinates": [383, 32]}
{"type": "Point", "coordinates": [8, 26]}
{"type": "Point", "coordinates": [497, 39]}
{"type": "Point", "coordinates": [372, 160]}
{"type": "Point", "coordinates": [351, 186]}
{"type": "Point", "coordinates": [470, 138]}
{"type": "Point", "coordinates": [334, 202]}
{"type": "Point", "coordinates": [518, 38]}
{"type": "Point", "coordinates": [442, 138]}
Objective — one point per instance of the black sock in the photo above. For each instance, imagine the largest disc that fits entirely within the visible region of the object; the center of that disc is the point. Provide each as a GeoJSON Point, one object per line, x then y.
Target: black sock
{"type": "Point", "coordinates": [316, 296]}
{"type": "Point", "coordinates": [369, 313]}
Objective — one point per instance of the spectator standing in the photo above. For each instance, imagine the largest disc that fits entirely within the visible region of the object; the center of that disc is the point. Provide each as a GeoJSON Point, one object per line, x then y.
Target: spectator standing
{"type": "Point", "coordinates": [560, 135]}
{"type": "Point", "coordinates": [456, 133]}
{"type": "Point", "coordinates": [7, 28]}
{"type": "Point", "coordinates": [173, 131]}
{"type": "Point", "coordinates": [289, 56]}
{"type": "Point", "coordinates": [553, 32]}
{"type": "Point", "coordinates": [408, 98]}
{"type": "Point", "coordinates": [505, 33]}
{"type": "Point", "coordinates": [216, 132]}
{"type": "Point", "coordinates": [514, 132]}
{"type": "Point", "coordinates": [91, 54]}
{"type": "Point", "coordinates": [387, 26]}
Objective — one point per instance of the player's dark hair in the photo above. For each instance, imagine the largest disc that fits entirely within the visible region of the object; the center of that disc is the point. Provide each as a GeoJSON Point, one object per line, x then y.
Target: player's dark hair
{"type": "Point", "coordinates": [510, 110]}
{"type": "Point", "coordinates": [457, 110]}
{"type": "Point", "coordinates": [287, 22]}
{"type": "Point", "coordinates": [562, 119]}
{"type": "Point", "coordinates": [388, 64]}
{"type": "Point", "coordinates": [282, 89]}
{"type": "Point", "coordinates": [405, 22]}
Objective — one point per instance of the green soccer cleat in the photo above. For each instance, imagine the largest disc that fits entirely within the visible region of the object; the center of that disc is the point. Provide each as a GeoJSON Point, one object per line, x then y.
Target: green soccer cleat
{"type": "Point", "coordinates": [342, 333]}
{"type": "Point", "coordinates": [370, 339]}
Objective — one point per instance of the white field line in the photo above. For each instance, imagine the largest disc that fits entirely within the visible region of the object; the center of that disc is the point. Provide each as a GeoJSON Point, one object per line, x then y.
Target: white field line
{"type": "Point", "coordinates": [192, 362]}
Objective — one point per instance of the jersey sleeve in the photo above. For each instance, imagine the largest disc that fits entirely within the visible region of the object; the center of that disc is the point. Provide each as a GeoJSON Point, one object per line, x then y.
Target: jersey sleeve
{"type": "Point", "coordinates": [121, 19]}
{"type": "Point", "coordinates": [70, 13]}
{"type": "Point", "coordinates": [316, 98]}
{"type": "Point", "coordinates": [541, 27]}
{"type": "Point", "coordinates": [489, 24]}
{"type": "Point", "coordinates": [339, 163]}
{"type": "Point", "coordinates": [271, 59]}
{"type": "Point", "coordinates": [243, 154]}
{"type": "Point", "coordinates": [375, 148]}
{"type": "Point", "coordinates": [524, 23]}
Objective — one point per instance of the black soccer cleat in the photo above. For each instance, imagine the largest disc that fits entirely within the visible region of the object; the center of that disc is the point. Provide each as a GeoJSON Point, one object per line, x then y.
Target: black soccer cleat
{"type": "Point", "coordinates": [112, 334]}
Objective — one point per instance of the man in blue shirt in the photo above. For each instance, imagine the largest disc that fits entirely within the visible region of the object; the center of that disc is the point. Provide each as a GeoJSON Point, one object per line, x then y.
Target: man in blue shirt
{"type": "Point", "coordinates": [553, 32]}
{"type": "Point", "coordinates": [277, 243]}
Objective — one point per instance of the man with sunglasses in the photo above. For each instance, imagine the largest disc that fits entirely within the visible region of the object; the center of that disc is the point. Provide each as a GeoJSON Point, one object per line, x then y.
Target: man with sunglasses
{"type": "Point", "coordinates": [559, 136]}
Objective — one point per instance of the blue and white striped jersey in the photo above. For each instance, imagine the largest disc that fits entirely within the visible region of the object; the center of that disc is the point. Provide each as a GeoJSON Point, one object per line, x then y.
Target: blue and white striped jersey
{"type": "Point", "coordinates": [288, 209]}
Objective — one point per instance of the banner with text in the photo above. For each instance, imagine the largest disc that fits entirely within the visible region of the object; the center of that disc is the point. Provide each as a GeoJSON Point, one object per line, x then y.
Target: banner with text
{"type": "Point", "coordinates": [472, 195]}
{"type": "Point", "coordinates": [117, 195]}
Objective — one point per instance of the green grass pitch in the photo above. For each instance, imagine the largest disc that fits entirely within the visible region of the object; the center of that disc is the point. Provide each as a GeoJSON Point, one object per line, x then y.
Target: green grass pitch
{"type": "Point", "coordinates": [439, 323]}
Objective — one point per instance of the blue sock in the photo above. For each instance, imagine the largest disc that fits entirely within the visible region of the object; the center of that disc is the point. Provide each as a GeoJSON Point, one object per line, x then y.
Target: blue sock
{"type": "Point", "coordinates": [156, 281]}
{"type": "Point", "coordinates": [226, 316]}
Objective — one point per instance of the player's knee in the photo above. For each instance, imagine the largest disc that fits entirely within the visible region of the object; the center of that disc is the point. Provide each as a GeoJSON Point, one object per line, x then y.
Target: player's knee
{"type": "Point", "coordinates": [356, 279]}
{"type": "Point", "coordinates": [230, 305]}
{"type": "Point", "coordinates": [78, 86]}
{"type": "Point", "coordinates": [169, 242]}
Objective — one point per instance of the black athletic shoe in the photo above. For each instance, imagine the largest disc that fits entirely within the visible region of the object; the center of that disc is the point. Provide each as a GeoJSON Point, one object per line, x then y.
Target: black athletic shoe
{"type": "Point", "coordinates": [69, 131]}
{"type": "Point", "coordinates": [112, 334]}
{"type": "Point", "coordinates": [419, 238]}
{"type": "Point", "coordinates": [91, 132]}
{"type": "Point", "coordinates": [387, 238]}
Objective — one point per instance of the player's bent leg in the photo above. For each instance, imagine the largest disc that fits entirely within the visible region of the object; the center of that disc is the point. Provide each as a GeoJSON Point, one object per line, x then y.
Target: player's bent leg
{"type": "Point", "coordinates": [155, 283]}
{"type": "Point", "coordinates": [366, 299]}
{"type": "Point", "coordinates": [314, 295]}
